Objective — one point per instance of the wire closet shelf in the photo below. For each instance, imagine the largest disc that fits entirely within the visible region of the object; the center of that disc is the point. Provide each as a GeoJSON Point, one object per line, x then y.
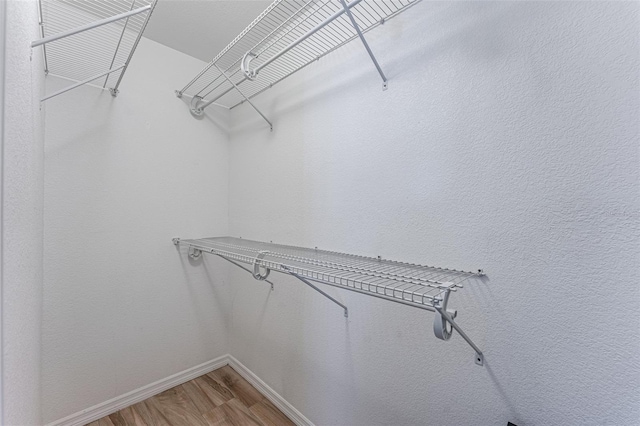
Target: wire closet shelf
{"type": "Point", "coordinates": [286, 37]}
{"type": "Point", "coordinates": [424, 287]}
{"type": "Point", "coordinates": [90, 41]}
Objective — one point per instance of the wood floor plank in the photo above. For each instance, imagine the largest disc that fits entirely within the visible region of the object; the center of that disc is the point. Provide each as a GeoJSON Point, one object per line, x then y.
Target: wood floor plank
{"type": "Point", "coordinates": [217, 417]}
{"type": "Point", "coordinates": [132, 418]}
{"type": "Point", "coordinates": [269, 414]}
{"type": "Point", "coordinates": [234, 411]}
{"type": "Point", "coordinates": [214, 390]}
{"type": "Point", "coordinates": [154, 405]}
{"type": "Point", "coordinates": [242, 389]}
{"type": "Point", "coordinates": [105, 421]}
{"type": "Point", "coordinates": [198, 397]}
{"type": "Point", "coordinates": [117, 419]}
{"type": "Point", "coordinates": [235, 403]}
{"type": "Point", "coordinates": [149, 416]}
{"type": "Point", "coordinates": [220, 398]}
{"type": "Point", "coordinates": [178, 408]}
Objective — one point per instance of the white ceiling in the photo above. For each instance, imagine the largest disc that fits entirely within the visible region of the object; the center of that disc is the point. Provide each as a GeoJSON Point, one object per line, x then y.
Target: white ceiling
{"type": "Point", "coordinates": [201, 28]}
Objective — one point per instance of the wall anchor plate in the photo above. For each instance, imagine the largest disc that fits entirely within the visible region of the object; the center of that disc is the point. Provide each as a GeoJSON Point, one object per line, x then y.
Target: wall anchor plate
{"type": "Point", "coordinates": [194, 253]}
{"type": "Point", "coordinates": [195, 109]}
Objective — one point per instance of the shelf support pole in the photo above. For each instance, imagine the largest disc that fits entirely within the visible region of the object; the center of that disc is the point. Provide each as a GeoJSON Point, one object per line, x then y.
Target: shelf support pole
{"type": "Point", "coordinates": [347, 10]}
{"type": "Point", "coordinates": [290, 272]}
{"type": "Point", "coordinates": [206, 104]}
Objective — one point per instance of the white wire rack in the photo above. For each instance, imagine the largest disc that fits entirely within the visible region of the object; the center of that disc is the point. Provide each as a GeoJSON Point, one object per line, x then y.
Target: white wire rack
{"type": "Point", "coordinates": [91, 41]}
{"type": "Point", "coordinates": [286, 37]}
{"type": "Point", "coordinates": [424, 287]}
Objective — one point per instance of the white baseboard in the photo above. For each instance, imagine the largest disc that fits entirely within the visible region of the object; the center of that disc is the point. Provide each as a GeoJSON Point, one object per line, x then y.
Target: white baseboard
{"type": "Point", "coordinates": [283, 405]}
{"type": "Point", "coordinates": [98, 411]}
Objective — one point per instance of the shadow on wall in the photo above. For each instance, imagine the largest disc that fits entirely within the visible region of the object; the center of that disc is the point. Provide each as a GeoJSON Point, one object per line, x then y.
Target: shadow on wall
{"type": "Point", "coordinates": [199, 264]}
{"type": "Point", "coordinates": [471, 27]}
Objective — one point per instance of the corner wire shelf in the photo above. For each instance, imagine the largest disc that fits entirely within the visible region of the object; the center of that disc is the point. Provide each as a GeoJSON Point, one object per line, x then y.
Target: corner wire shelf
{"type": "Point", "coordinates": [286, 37]}
{"type": "Point", "coordinates": [423, 287]}
{"type": "Point", "coordinates": [90, 41]}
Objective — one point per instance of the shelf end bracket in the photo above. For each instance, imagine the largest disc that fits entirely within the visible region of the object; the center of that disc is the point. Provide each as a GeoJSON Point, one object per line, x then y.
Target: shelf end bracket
{"type": "Point", "coordinates": [444, 316]}
{"type": "Point", "coordinates": [347, 10]}
{"type": "Point", "coordinates": [290, 272]}
{"type": "Point", "coordinates": [249, 271]}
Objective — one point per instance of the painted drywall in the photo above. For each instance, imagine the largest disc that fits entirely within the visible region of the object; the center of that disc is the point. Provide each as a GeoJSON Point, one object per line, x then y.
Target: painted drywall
{"type": "Point", "coordinates": [22, 207]}
{"type": "Point", "coordinates": [123, 176]}
{"type": "Point", "coordinates": [508, 140]}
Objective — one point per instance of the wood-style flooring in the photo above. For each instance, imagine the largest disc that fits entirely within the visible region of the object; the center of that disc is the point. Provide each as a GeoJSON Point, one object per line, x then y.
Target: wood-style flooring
{"type": "Point", "coordinates": [220, 398]}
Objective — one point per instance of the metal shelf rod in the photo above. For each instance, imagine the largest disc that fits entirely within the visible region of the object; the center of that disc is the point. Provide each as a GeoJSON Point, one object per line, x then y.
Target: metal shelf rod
{"type": "Point", "coordinates": [89, 26]}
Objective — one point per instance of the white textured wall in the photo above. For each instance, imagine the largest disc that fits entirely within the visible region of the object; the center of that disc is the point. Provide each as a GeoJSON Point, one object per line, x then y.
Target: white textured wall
{"type": "Point", "coordinates": [22, 188]}
{"type": "Point", "coordinates": [508, 140]}
{"type": "Point", "coordinates": [122, 308]}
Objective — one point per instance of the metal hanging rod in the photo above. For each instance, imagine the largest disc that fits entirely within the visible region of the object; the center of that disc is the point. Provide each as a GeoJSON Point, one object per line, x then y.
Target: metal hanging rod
{"type": "Point", "coordinates": [286, 37]}
{"type": "Point", "coordinates": [104, 33]}
{"type": "Point", "coordinates": [423, 287]}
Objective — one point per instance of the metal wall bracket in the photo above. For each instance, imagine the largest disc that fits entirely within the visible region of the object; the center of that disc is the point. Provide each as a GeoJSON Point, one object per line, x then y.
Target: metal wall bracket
{"type": "Point", "coordinates": [245, 68]}
{"type": "Point", "coordinates": [224, 74]}
{"type": "Point", "coordinates": [194, 253]}
{"type": "Point", "coordinates": [347, 11]}
{"type": "Point", "coordinates": [195, 107]}
{"type": "Point", "coordinates": [440, 329]}
{"type": "Point", "coordinates": [346, 310]}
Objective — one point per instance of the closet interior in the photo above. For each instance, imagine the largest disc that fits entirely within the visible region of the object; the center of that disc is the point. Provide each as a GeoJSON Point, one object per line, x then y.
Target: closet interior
{"type": "Point", "coordinates": [329, 212]}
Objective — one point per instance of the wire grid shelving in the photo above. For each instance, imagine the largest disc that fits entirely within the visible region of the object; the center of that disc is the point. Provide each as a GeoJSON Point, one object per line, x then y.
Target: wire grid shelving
{"type": "Point", "coordinates": [424, 287]}
{"type": "Point", "coordinates": [286, 37]}
{"type": "Point", "coordinates": [91, 49]}
{"type": "Point", "coordinates": [420, 285]}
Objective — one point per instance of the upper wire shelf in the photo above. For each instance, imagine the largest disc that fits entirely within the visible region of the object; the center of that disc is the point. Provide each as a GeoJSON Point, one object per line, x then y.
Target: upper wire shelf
{"type": "Point", "coordinates": [91, 41]}
{"type": "Point", "coordinates": [286, 37]}
{"type": "Point", "coordinates": [424, 287]}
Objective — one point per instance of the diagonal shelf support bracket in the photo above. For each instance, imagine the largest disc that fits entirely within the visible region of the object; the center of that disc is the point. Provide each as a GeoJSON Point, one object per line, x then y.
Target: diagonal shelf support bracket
{"type": "Point", "coordinates": [290, 272]}
{"type": "Point", "coordinates": [444, 316]}
{"type": "Point", "coordinates": [242, 94]}
{"type": "Point", "coordinates": [347, 11]}
{"type": "Point", "coordinates": [246, 269]}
